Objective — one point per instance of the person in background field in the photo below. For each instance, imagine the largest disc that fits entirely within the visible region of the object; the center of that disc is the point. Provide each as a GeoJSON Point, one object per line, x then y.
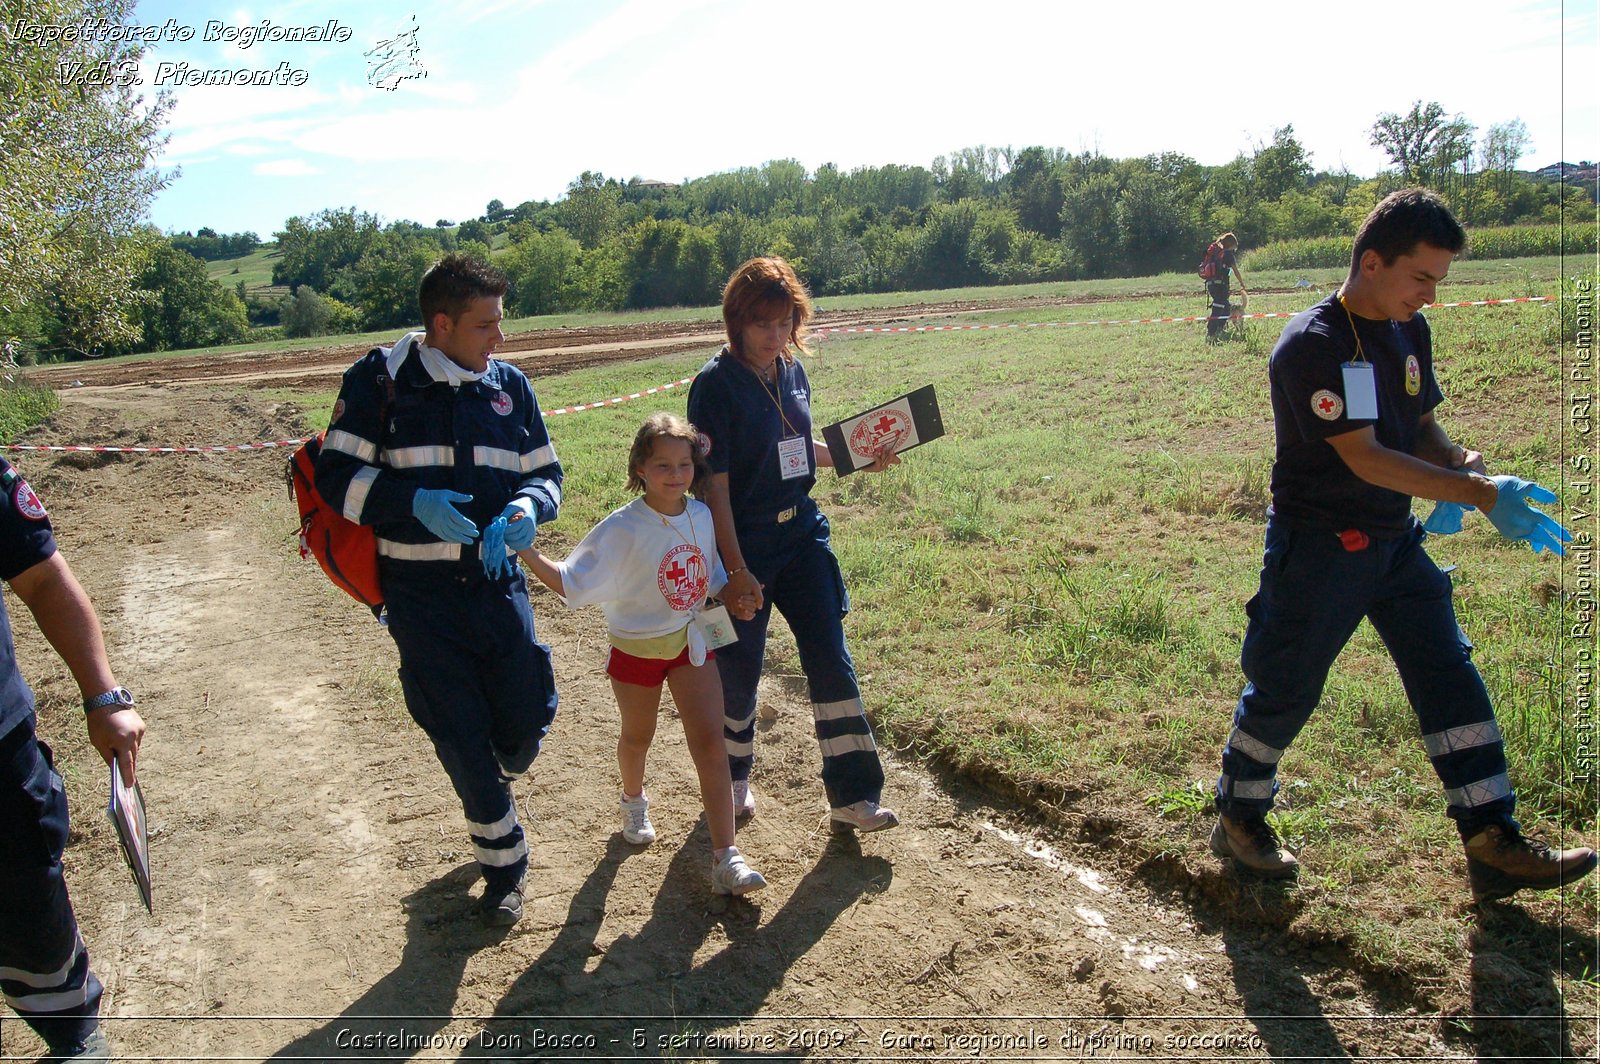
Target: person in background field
{"type": "Point", "coordinates": [752, 402]}
{"type": "Point", "coordinates": [651, 566]}
{"type": "Point", "coordinates": [44, 967]}
{"type": "Point", "coordinates": [1353, 395]}
{"type": "Point", "coordinates": [1217, 287]}
{"type": "Point", "coordinates": [461, 451]}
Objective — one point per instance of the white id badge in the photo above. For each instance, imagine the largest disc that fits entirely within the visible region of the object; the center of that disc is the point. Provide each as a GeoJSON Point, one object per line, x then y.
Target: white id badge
{"type": "Point", "coordinates": [716, 626]}
{"type": "Point", "coordinates": [1360, 391]}
{"type": "Point", "coordinates": [792, 460]}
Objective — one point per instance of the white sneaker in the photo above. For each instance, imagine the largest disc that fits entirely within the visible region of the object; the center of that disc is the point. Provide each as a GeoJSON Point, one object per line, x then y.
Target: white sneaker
{"type": "Point", "coordinates": [732, 876]}
{"type": "Point", "coordinates": [865, 815]}
{"type": "Point", "coordinates": [744, 800]}
{"type": "Point", "coordinates": [636, 826]}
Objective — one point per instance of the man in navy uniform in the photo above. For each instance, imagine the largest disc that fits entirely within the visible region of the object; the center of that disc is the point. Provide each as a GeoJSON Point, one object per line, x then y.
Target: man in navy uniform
{"type": "Point", "coordinates": [1353, 395]}
{"type": "Point", "coordinates": [44, 967]}
{"type": "Point", "coordinates": [442, 448]}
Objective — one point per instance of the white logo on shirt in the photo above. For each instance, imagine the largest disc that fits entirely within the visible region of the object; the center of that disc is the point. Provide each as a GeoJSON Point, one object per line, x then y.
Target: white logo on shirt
{"type": "Point", "coordinates": [1326, 405]}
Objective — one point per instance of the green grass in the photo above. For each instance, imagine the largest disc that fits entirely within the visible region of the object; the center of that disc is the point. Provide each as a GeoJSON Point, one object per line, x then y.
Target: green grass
{"type": "Point", "coordinates": [1052, 594]}
{"type": "Point", "coordinates": [254, 269]}
{"type": "Point", "coordinates": [23, 406]}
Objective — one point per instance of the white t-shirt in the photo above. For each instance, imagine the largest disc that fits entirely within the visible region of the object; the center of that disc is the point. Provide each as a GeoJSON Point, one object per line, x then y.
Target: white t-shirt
{"type": "Point", "coordinates": [649, 573]}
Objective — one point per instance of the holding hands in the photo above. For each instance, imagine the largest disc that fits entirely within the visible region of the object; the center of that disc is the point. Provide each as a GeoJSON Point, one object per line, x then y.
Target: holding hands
{"type": "Point", "coordinates": [513, 529]}
{"type": "Point", "coordinates": [742, 594]}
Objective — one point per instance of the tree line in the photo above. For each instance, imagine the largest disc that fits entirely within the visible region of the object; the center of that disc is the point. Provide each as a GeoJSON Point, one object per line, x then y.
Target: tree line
{"type": "Point", "coordinates": [977, 216]}
{"type": "Point", "coordinates": [81, 274]}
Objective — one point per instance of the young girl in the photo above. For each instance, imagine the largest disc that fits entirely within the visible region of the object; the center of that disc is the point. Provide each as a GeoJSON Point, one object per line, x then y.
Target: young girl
{"type": "Point", "coordinates": [650, 566]}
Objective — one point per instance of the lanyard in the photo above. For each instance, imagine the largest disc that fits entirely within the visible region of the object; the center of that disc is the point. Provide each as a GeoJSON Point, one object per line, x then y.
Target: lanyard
{"type": "Point", "coordinates": [694, 538]}
{"type": "Point", "coordinates": [777, 399]}
{"type": "Point", "coordinates": [1360, 355]}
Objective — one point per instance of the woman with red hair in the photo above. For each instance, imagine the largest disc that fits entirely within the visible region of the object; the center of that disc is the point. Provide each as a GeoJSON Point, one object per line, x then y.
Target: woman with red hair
{"type": "Point", "coordinates": [752, 402]}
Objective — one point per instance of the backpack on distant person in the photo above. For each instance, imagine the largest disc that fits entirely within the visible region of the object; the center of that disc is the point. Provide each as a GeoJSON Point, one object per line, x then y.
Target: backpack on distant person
{"type": "Point", "coordinates": [1211, 266]}
{"type": "Point", "coordinates": [347, 552]}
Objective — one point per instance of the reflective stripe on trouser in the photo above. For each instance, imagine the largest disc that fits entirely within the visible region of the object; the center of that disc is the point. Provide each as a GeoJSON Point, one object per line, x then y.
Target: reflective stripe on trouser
{"type": "Point", "coordinates": [480, 686]}
{"type": "Point", "coordinates": [44, 967]}
{"type": "Point", "coordinates": [1312, 596]}
{"type": "Point", "coordinates": [800, 577]}
{"type": "Point", "coordinates": [1217, 312]}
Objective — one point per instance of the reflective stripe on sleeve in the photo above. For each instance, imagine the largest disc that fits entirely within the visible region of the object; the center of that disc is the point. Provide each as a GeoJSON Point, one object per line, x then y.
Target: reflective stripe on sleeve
{"type": "Point", "coordinates": [351, 444]}
{"type": "Point", "coordinates": [355, 496]}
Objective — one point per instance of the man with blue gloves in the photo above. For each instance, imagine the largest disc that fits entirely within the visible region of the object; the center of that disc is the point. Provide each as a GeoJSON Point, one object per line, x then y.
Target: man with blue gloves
{"type": "Point", "coordinates": [1353, 394]}
{"type": "Point", "coordinates": [431, 442]}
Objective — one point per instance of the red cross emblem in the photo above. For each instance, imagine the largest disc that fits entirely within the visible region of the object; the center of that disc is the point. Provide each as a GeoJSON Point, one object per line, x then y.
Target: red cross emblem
{"type": "Point", "coordinates": [682, 576]}
{"type": "Point", "coordinates": [1327, 405]}
{"type": "Point", "coordinates": [874, 433]}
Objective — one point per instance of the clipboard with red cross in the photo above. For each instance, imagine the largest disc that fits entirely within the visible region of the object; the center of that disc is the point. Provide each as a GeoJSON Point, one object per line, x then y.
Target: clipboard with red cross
{"type": "Point", "coordinates": [900, 424]}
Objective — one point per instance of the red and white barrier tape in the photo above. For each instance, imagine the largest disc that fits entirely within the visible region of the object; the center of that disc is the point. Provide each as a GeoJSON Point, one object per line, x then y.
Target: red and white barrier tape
{"type": "Point", "coordinates": [282, 444]}
{"type": "Point", "coordinates": [266, 446]}
{"type": "Point", "coordinates": [619, 399]}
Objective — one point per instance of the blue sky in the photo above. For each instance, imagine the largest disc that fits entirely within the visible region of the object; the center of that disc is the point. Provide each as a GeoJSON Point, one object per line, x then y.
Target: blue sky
{"type": "Point", "coordinates": [515, 98]}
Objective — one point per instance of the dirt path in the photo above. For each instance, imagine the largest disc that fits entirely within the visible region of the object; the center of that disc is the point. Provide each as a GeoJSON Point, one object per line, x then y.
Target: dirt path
{"type": "Point", "coordinates": [313, 882]}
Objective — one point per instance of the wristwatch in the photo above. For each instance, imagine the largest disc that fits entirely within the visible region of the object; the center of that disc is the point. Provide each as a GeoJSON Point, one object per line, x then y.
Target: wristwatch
{"type": "Point", "coordinates": [117, 696]}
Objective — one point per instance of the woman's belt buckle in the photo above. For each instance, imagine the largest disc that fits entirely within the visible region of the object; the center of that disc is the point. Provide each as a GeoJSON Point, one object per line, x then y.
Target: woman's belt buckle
{"type": "Point", "coordinates": [784, 515]}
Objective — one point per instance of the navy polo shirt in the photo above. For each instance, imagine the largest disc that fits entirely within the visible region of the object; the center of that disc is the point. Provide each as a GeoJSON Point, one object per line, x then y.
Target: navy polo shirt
{"type": "Point", "coordinates": [25, 541]}
{"type": "Point", "coordinates": [738, 413]}
{"type": "Point", "coordinates": [1311, 485]}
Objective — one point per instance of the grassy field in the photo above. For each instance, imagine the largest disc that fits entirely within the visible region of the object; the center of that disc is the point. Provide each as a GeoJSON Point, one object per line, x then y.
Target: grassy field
{"type": "Point", "coordinates": [254, 269]}
{"type": "Point", "coordinates": [1049, 600]}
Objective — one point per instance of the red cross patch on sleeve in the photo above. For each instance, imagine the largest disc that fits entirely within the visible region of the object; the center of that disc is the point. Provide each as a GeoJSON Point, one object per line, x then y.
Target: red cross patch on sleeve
{"type": "Point", "coordinates": [27, 503]}
{"type": "Point", "coordinates": [1327, 405]}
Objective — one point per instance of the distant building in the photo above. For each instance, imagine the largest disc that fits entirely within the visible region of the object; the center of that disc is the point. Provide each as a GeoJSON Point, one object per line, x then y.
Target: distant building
{"type": "Point", "coordinates": [1572, 172]}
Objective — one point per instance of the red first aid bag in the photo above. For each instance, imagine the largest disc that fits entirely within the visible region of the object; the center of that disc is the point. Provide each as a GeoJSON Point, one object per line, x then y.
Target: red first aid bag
{"type": "Point", "coordinates": [347, 552]}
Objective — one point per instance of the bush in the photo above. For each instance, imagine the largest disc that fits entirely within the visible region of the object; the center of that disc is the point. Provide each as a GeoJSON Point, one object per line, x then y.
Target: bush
{"type": "Point", "coordinates": [1525, 241]}
{"type": "Point", "coordinates": [1501, 242]}
{"type": "Point", "coordinates": [22, 406]}
{"type": "Point", "coordinates": [310, 313]}
{"type": "Point", "coordinates": [1320, 253]}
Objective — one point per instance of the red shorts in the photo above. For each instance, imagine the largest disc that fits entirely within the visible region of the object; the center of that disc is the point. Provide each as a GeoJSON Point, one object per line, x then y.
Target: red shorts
{"type": "Point", "coordinates": [645, 672]}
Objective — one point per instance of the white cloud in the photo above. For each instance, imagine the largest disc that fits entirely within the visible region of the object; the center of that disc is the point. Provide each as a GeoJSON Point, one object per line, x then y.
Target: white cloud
{"type": "Point", "coordinates": [285, 168]}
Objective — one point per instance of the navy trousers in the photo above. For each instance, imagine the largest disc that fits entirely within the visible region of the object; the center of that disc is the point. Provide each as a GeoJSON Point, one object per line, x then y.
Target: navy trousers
{"type": "Point", "coordinates": [800, 577]}
{"type": "Point", "coordinates": [1217, 314]}
{"type": "Point", "coordinates": [481, 687]}
{"type": "Point", "coordinates": [1313, 594]}
{"type": "Point", "coordinates": [44, 967]}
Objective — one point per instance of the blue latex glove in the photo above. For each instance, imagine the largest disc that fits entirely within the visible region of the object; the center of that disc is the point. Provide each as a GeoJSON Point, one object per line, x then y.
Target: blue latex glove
{"type": "Point", "coordinates": [496, 562]}
{"type": "Point", "coordinates": [520, 528]}
{"type": "Point", "coordinates": [1515, 519]}
{"type": "Point", "coordinates": [432, 506]}
{"type": "Point", "coordinates": [1446, 518]}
